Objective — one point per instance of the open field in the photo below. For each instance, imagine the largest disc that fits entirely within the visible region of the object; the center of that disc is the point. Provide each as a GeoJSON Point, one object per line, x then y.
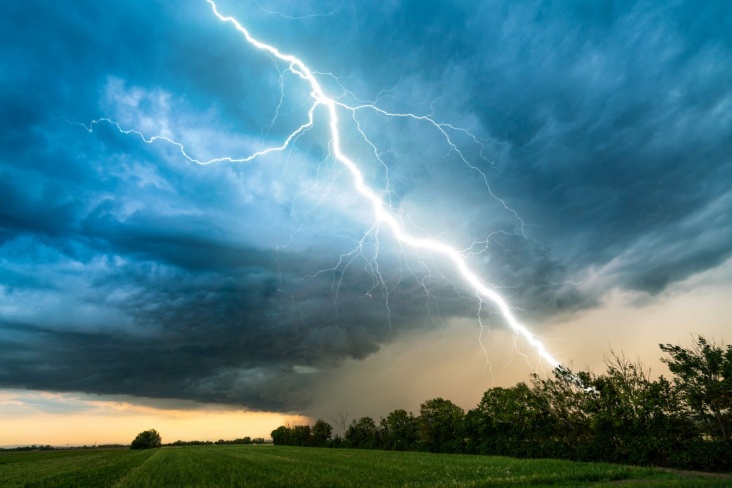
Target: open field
{"type": "Point", "coordinates": [274, 466]}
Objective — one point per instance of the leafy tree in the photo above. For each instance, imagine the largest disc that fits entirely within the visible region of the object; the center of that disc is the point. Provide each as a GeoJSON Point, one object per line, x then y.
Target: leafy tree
{"type": "Point", "coordinates": [704, 378]}
{"type": "Point", "coordinates": [281, 436]}
{"type": "Point", "coordinates": [510, 421]}
{"type": "Point", "coordinates": [300, 435]}
{"type": "Point", "coordinates": [322, 432]}
{"type": "Point", "coordinates": [146, 440]}
{"type": "Point", "coordinates": [399, 431]}
{"type": "Point", "coordinates": [634, 419]}
{"type": "Point", "coordinates": [297, 435]}
{"type": "Point", "coordinates": [441, 426]}
{"type": "Point", "coordinates": [565, 398]}
{"type": "Point", "coordinates": [363, 434]}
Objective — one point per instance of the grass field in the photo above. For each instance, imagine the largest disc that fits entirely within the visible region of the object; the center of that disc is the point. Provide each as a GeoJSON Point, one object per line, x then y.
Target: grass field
{"type": "Point", "coordinates": [251, 466]}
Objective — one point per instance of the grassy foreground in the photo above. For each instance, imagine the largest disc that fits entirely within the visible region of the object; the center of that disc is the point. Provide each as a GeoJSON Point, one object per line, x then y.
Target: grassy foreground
{"type": "Point", "coordinates": [273, 466]}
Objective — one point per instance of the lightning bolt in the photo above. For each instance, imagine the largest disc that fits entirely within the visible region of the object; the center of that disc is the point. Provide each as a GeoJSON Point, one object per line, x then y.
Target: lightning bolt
{"type": "Point", "coordinates": [383, 215]}
{"type": "Point", "coordinates": [383, 212]}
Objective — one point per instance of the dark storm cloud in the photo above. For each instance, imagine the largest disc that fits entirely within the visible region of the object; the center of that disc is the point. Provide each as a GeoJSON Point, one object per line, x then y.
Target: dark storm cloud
{"type": "Point", "coordinates": [126, 269]}
{"type": "Point", "coordinates": [229, 339]}
{"type": "Point", "coordinates": [619, 119]}
{"type": "Point", "coordinates": [611, 122]}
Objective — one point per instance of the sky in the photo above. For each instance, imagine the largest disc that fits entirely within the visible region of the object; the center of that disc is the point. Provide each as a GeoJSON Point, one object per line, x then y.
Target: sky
{"type": "Point", "coordinates": [578, 155]}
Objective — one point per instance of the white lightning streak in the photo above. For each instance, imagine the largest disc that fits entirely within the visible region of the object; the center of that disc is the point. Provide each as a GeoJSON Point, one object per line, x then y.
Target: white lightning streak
{"type": "Point", "coordinates": [382, 214]}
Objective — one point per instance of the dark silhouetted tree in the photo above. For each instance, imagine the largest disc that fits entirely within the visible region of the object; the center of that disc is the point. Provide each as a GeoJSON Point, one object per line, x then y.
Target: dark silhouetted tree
{"type": "Point", "coordinates": [441, 426]}
{"type": "Point", "coordinates": [281, 436]}
{"type": "Point", "coordinates": [634, 419]}
{"type": "Point", "coordinates": [399, 431]}
{"type": "Point", "coordinates": [568, 418]}
{"type": "Point", "coordinates": [322, 432]}
{"type": "Point", "coordinates": [300, 435]}
{"type": "Point", "coordinates": [704, 378]}
{"type": "Point", "coordinates": [146, 440]}
{"type": "Point", "coordinates": [509, 421]}
{"type": "Point", "coordinates": [363, 434]}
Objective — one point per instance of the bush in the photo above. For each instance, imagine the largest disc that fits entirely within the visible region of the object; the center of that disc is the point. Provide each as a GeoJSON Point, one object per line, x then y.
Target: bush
{"type": "Point", "coordinates": [146, 440]}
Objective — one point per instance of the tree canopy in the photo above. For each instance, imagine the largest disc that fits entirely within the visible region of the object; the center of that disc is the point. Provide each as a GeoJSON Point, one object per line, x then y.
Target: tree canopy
{"type": "Point", "coordinates": [146, 440]}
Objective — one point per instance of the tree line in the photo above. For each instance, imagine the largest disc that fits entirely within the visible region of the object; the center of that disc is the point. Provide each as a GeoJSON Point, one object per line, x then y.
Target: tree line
{"type": "Point", "coordinates": [621, 415]}
{"type": "Point", "coordinates": [48, 447]}
{"type": "Point", "coordinates": [150, 439]}
{"type": "Point", "coordinates": [242, 440]}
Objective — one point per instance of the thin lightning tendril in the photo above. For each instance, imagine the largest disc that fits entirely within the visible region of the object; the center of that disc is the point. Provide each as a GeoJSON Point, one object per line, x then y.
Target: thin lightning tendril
{"type": "Point", "coordinates": [384, 213]}
{"type": "Point", "coordinates": [292, 17]}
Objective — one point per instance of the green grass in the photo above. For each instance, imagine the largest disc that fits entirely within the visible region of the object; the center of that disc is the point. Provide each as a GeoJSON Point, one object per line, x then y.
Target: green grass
{"type": "Point", "coordinates": [271, 466]}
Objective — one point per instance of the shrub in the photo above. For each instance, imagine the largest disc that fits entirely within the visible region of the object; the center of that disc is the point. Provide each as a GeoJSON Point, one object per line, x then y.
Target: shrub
{"type": "Point", "coordinates": [146, 440]}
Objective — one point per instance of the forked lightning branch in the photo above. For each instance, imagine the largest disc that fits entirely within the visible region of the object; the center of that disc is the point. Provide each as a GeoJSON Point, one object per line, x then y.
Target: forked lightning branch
{"type": "Point", "coordinates": [385, 217]}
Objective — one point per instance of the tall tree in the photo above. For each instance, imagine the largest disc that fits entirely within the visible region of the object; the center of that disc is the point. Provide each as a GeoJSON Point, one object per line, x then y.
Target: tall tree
{"type": "Point", "coordinates": [634, 419]}
{"type": "Point", "coordinates": [300, 435]}
{"type": "Point", "coordinates": [281, 436]}
{"type": "Point", "coordinates": [399, 430]}
{"type": "Point", "coordinates": [322, 432]}
{"type": "Point", "coordinates": [363, 434]}
{"type": "Point", "coordinates": [569, 418]}
{"type": "Point", "coordinates": [441, 426]}
{"type": "Point", "coordinates": [704, 378]}
{"type": "Point", "coordinates": [510, 421]}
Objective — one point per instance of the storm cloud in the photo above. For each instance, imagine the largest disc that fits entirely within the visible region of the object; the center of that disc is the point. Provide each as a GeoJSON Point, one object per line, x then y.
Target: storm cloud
{"type": "Point", "coordinates": [600, 159]}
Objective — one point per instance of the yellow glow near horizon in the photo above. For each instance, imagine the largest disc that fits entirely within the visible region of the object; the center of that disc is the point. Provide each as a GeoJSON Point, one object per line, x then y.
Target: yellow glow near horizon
{"type": "Point", "coordinates": [67, 419]}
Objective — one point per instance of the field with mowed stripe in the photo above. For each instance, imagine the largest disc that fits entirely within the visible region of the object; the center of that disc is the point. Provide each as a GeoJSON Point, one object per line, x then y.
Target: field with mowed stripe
{"type": "Point", "coordinates": [275, 466]}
